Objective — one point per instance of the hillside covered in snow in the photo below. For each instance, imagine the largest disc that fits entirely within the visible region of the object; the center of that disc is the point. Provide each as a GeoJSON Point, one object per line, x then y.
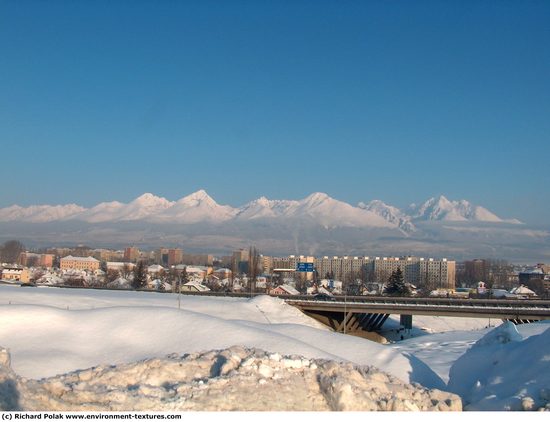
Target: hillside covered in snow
{"type": "Point", "coordinates": [199, 206]}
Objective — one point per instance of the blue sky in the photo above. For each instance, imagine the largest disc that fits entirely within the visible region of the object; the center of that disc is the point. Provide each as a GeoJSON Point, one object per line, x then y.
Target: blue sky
{"type": "Point", "coordinates": [391, 100]}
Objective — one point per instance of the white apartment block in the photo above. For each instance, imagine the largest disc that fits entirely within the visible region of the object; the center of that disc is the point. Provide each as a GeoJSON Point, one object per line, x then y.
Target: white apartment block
{"type": "Point", "coordinates": [290, 263]}
{"type": "Point", "coordinates": [421, 272]}
{"type": "Point", "coordinates": [342, 268]}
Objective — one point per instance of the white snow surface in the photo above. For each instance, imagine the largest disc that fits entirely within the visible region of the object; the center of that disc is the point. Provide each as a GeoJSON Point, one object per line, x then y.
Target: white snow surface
{"type": "Point", "coordinates": [504, 371]}
{"type": "Point", "coordinates": [51, 331]}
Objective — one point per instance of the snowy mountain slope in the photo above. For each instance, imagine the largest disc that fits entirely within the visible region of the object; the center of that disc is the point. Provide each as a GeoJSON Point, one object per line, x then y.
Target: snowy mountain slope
{"type": "Point", "coordinates": [39, 213]}
{"type": "Point", "coordinates": [332, 213]}
{"type": "Point", "coordinates": [101, 212]}
{"type": "Point", "coordinates": [443, 209]}
{"type": "Point", "coordinates": [390, 214]}
{"type": "Point", "coordinates": [197, 207]}
{"type": "Point", "coordinates": [504, 371]}
{"type": "Point", "coordinates": [317, 208]}
{"type": "Point", "coordinates": [139, 209]}
{"type": "Point", "coordinates": [264, 208]}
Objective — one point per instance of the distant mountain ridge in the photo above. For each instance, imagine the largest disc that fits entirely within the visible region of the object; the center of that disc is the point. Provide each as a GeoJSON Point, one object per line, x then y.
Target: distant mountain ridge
{"type": "Point", "coordinates": [318, 208]}
{"type": "Point", "coordinates": [315, 225]}
{"type": "Point", "coordinates": [443, 209]}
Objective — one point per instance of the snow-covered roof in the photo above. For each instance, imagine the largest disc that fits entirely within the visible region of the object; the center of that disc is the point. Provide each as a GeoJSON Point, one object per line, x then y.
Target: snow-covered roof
{"type": "Point", "coordinates": [198, 286]}
{"type": "Point", "coordinates": [533, 271]}
{"type": "Point", "coordinates": [195, 270]}
{"type": "Point", "coordinates": [522, 290]}
{"type": "Point", "coordinates": [50, 279]}
{"type": "Point", "coordinates": [289, 289]}
{"type": "Point", "coordinates": [322, 290]}
{"type": "Point", "coordinates": [79, 258]}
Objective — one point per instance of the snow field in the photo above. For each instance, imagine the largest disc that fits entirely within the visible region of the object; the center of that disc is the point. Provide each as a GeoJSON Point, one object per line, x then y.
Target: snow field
{"type": "Point", "coordinates": [52, 331]}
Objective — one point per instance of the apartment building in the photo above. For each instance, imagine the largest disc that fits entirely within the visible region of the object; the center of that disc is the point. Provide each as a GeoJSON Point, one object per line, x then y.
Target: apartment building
{"type": "Point", "coordinates": [383, 267]}
{"type": "Point", "coordinates": [175, 256]}
{"type": "Point", "coordinates": [288, 265]}
{"type": "Point", "coordinates": [341, 268]}
{"type": "Point", "coordinates": [437, 274]}
{"type": "Point", "coordinates": [29, 259]}
{"type": "Point", "coordinates": [266, 264]}
{"type": "Point", "coordinates": [421, 272]}
{"type": "Point", "coordinates": [108, 255]}
{"type": "Point", "coordinates": [131, 254]}
{"type": "Point", "coordinates": [79, 263]}
{"type": "Point", "coordinates": [198, 259]}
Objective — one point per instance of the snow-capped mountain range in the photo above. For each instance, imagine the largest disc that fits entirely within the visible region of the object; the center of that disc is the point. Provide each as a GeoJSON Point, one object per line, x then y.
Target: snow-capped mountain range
{"type": "Point", "coordinates": [199, 207]}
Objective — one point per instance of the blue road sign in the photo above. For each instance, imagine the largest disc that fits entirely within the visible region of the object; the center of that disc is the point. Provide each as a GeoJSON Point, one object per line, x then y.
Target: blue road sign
{"type": "Point", "coordinates": [306, 267]}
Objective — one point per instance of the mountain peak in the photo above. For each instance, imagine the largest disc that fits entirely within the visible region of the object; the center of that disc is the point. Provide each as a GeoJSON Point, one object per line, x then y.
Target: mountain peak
{"type": "Point", "coordinates": [149, 198]}
{"type": "Point", "coordinates": [200, 194]}
{"type": "Point", "coordinates": [442, 208]}
{"type": "Point", "coordinates": [317, 197]}
{"type": "Point", "coordinates": [197, 197]}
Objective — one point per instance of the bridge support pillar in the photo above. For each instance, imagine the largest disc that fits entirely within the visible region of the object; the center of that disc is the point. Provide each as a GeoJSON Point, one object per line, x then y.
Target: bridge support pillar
{"type": "Point", "coordinates": [406, 321]}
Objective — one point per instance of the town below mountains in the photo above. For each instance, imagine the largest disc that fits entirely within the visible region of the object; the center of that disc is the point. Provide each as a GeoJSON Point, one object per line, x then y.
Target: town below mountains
{"type": "Point", "coordinates": [315, 225]}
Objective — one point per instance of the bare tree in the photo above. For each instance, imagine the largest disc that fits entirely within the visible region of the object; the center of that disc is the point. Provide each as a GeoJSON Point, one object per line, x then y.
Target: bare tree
{"type": "Point", "coordinates": [11, 250]}
{"type": "Point", "coordinates": [253, 268]}
{"type": "Point", "coordinates": [37, 275]}
{"type": "Point", "coordinates": [126, 271]}
{"type": "Point", "coordinates": [111, 275]}
{"type": "Point", "coordinates": [173, 278]}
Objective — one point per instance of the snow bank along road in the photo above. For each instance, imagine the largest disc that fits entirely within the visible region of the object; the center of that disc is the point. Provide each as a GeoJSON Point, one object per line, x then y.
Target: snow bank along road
{"type": "Point", "coordinates": [54, 331]}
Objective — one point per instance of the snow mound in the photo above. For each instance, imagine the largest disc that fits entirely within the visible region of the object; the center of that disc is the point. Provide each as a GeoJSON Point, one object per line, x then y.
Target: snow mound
{"type": "Point", "coordinates": [504, 371]}
{"type": "Point", "coordinates": [236, 378]}
{"type": "Point", "coordinates": [116, 327]}
{"type": "Point", "coordinates": [277, 311]}
{"type": "Point", "coordinates": [503, 334]}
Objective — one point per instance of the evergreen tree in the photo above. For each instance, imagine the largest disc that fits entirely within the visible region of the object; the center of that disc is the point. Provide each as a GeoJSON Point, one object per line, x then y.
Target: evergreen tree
{"type": "Point", "coordinates": [183, 278]}
{"type": "Point", "coordinates": [396, 285]}
{"type": "Point", "coordinates": [140, 276]}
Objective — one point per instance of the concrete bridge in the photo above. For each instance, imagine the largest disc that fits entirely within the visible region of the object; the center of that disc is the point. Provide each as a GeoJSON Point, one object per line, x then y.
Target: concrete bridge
{"type": "Point", "coordinates": [359, 313]}
{"type": "Point", "coordinates": [367, 314]}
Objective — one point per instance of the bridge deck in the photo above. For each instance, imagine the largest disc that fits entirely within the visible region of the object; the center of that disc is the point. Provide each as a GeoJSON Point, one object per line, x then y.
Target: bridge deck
{"type": "Point", "coordinates": [513, 309]}
{"type": "Point", "coordinates": [486, 310]}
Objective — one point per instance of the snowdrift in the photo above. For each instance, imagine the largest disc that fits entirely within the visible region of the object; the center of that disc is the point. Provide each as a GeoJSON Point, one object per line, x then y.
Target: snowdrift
{"type": "Point", "coordinates": [504, 371]}
{"type": "Point", "coordinates": [46, 341]}
{"type": "Point", "coordinates": [231, 379]}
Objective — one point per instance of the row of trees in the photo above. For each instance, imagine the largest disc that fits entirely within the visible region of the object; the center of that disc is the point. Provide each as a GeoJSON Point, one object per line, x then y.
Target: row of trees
{"type": "Point", "coordinates": [138, 276]}
{"type": "Point", "coordinates": [496, 273]}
